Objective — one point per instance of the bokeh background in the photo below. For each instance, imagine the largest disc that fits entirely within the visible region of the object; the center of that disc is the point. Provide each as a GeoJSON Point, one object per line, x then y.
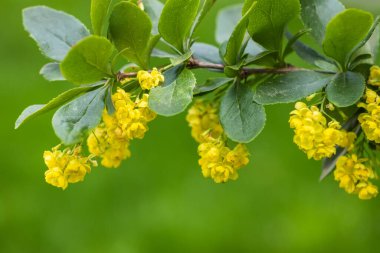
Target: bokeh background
{"type": "Point", "coordinates": [158, 201]}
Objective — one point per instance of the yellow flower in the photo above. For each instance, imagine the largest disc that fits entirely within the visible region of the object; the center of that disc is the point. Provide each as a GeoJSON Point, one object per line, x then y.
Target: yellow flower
{"type": "Point", "coordinates": [110, 140]}
{"type": "Point", "coordinates": [370, 120]}
{"type": "Point", "coordinates": [67, 166]}
{"type": "Point", "coordinates": [219, 162]}
{"type": "Point", "coordinates": [367, 191]}
{"type": "Point", "coordinates": [150, 80]}
{"type": "Point", "coordinates": [353, 176]}
{"type": "Point", "coordinates": [374, 78]}
{"type": "Point", "coordinates": [204, 121]}
{"type": "Point", "coordinates": [314, 136]}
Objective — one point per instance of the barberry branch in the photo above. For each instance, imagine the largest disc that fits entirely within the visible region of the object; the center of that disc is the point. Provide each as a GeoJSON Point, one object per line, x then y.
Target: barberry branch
{"type": "Point", "coordinates": [245, 72]}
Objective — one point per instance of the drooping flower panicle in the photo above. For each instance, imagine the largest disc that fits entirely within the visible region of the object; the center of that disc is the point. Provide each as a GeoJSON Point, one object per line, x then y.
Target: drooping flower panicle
{"type": "Point", "coordinates": [217, 160]}
{"type": "Point", "coordinates": [66, 166]}
{"type": "Point", "coordinates": [314, 135]}
{"type": "Point", "coordinates": [354, 176]}
{"type": "Point", "coordinates": [110, 140]}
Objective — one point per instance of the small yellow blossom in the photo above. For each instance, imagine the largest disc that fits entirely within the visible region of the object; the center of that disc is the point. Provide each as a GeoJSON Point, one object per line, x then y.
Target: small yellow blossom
{"type": "Point", "coordinates": [220, 162]}
{"type": "Point", "coordinates": [353, 176]}
{"type": "Point", "coordinates": [374, 78]}
{"type": "Point", "coordinates": [317, 138]}
{"type": "Point", "coordinates": [67, 166]}
{"type": "Point", "coordinates": [370, 120]}
{"type": "Point", "coordinates": [110, 140]}
{"type": "Point", "coordinates": [204, 121]}
{"type": "Point", "coordinates": [150, 80]}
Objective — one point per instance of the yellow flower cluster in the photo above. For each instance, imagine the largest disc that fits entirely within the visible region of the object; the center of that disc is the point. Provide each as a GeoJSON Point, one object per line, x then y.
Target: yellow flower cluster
{"type": "Point", "coordinates": [353, 176]}
{"type": "Point", "coordinates": [374, 78]}
{"type": "Point", "coordinates": [217, 160]}
{"type": "Point", "coordinates": [220, 162]}
{"type": "Point", "coordinates": [370, 120]}
{"type": "Point", "coordinates": [110, 140]}
{"type": "Point", "coordinates": [317, 138]}
{"type": "Point", "coordinates": [150, 80]}
{"type": "Point", "coordinates": [203, 117]}
{"type": "Point", "coordinates": [66, 166]}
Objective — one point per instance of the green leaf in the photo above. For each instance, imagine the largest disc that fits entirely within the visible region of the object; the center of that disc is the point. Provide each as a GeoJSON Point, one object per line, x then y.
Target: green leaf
{"type": "Point", "coordinates": [268, 20]}
{"type": "Point", "coordinates": [99, 11]}
{"type": "Point", "coordinates": [74, 120]}
{"type": "Point", "coordinates": [235, 42]}
{"type": "Point", "coordinates": [88, 61]}
{"type": "Point", "coordinates": [311, 56]}
{"type": "Point", "coordinates": [174, 98]}
{"type": "Point", "coordinates": [36, 110]}
{"type": "Point", "coordinates": [346, 89]}
{"type": "Point", "coordinates": [181, 59]}
{"type": "Point", "coordinates": [130, 29]}
{"type": "Point", "coordinates": [154, 9]}
{"type": "Point", "coordinates": [211, 84]}
{"type": "Point", "coordinates": [316, 14]}
{"type": "Point", "coordinates": [176, 21]}
{"type": "Point", "coordinates": [108, 101]}
{"type": "Point", "coordinates": [226, 21]}
{"type": "Point", "coordinates": [290, 87]}
{"type": "Point", "coordinates": [363, 43]}
{"type": "Point", "coordinates": [289, 46]}
{"type": "Point", "coordinates": [203, 10]}
{"type": "Point", "coordinates": [52, 72]}
{"type": "Point", "coordinates": [206, 52]}
{"type": "Point", "coordinates": [241, 117]}
{"type": "Point", "coordinates": [265, 58]}
{"type": "Point", "coordinates": [344, 32]}
{"type": "Point", "coordinates": [54, 31]}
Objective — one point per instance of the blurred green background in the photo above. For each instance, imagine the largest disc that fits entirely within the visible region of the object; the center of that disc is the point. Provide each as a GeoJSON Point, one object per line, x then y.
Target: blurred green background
{"type": "Point", "coordinates": [158, 201]}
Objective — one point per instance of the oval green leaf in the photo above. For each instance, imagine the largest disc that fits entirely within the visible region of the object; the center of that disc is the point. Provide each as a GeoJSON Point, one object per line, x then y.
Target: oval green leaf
{"type": "Point", "coordinates": [52, 72]}
{"type": "Point", "coordinates": [54, 31]}
{"type": "Point", "coordinates": [88, 61]}
{"type": "Point", "coordinates": [99, 11]}
{"type": "Point", "coordinates": [74, 120]}
{"type": "Point", "coordinates": [174, 98]}
{"type": "Point", "coordinates": [130, 29]}
{"type": "Point", "coordinates": [346, 89]}
{"type": "Point", "coordinates": [290, 87]}
{"type": "Point", "coordinates": [176, 21]}
{"type": "Point", "coordinates": [344, 32]}
{"type": "Point", "coordinates": [242, 118]}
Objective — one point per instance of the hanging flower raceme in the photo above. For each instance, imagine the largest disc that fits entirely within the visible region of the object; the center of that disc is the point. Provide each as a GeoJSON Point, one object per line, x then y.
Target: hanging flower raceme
{"type": "Point", "coordinates": [354, 176]}
{"type": "Point", "coordinates": [374, 78]}
{"type": "Point", "coordinates": [110, 140]}
{"type": "Point", "coordinates": [217, 160]}
{"type": "Point", "coordinates": [313, 135]}
{"type": "Point", "coordinates": [66, 166]}
{"type": "Point", "coordinates": [370, 120]}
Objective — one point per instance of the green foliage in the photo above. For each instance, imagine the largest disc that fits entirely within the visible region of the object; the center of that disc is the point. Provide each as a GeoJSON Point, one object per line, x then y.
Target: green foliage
{"type": "Point", "coordinates": [52, 72]}
{"type": "Point", "coordinates": [204, 8]}
{"type": "Point", "coordinates": [226, 21]}
{"type": "Point", "coordinates": [54, 31]}
{"type": "Point", "coordinates": [268, 20]}
{"type": "Point", "coordinates": [206, 52]}
{"type": "Point", "coordinates": [241, 117]}
{"type": "Point", "coordinates": [73, 121]}
{"type": "Point", "coordinates": [346, 89]}
{"type": "Point", "coordinates": [316, 14]}
{"type": "Point", "coordinates": [176, 22]}
{"type": "Point", "coordinates": [88, 61]}
{"type": "Point", "coordinates": [35, 110]}
{"type": "Point", "coordinates": [130, 29]}
{"type": "Point", "coordinates": [235, 42]}
{"type": "Point", "coordinates": [99, 11]}
{"type": "Point", "coordinates": [154, 9]}
{"type": "Point", "coordinates": [173, 98]}
{"type": "Point", "coordinates": [344, 32]}
{"type": "Point", "coordinates": [211, 84]}
{"type": "Point", "coordinates": [290, 87]}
